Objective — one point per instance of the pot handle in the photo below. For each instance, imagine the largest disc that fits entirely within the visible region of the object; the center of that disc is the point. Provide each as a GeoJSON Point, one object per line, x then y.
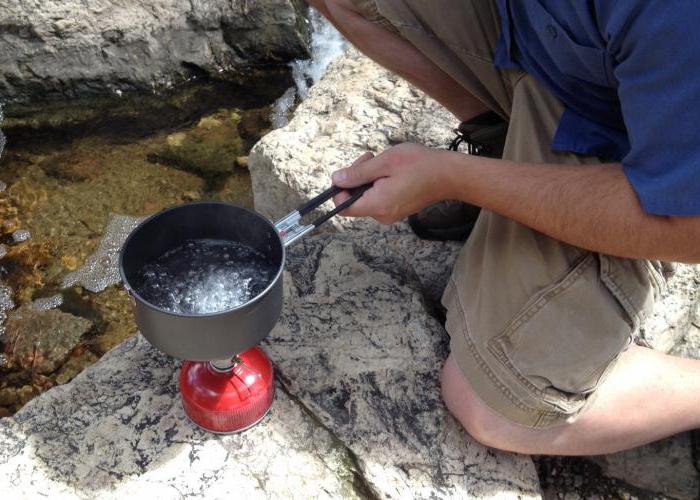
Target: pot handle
{"type": "Point", "coordinates": [290, 229]}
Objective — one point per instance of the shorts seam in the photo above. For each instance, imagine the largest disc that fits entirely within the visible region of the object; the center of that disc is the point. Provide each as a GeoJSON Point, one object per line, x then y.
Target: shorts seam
{"type": "Point", "coordinates": [618, 293]}
{"type": "Point", "coordinates": [530, 310]}
{"type": "Point", "coordinates": [541, 414]}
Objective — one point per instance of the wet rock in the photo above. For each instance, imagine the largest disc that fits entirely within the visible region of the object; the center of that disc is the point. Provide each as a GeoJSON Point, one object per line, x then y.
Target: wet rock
{"type": "Point", "coordinates": [118, 430]}
{"type": "Point", "coordinates": [74, 366]}
{"type": "Point", "coordinates": [211, 148]}
{"type": "Point", "coordinates": [66, 168]}
{"type": "Point", "coordinates": [47, 303]}
{"type": "Point", "coordinates": [101, 269]}
{"type": "Point", "coordinates": [40, 341]}
{"type": "Point", "coordinates": [58, 49]}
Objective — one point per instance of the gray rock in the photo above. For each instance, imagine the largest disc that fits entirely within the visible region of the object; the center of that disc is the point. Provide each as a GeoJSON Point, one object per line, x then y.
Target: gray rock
{"type": "Point", "coordinates": [357, 107]}
{"type": "Point", "coordinates": [358, 410]}
{"type": "Point", "coordinates": [66, 49]}
{"type": "Point", "coordinates": [356, 346]}
{"type": "Point", "coordinates": [118, 431]}
{"type": "Point", "coordinates": [665, 468]}
{"type": "Point", "coordinates": [671, 325]}
{"type": "Point", "coordinates": [41, 340]}
{"type": "Point", "coordinates": [101, 269]}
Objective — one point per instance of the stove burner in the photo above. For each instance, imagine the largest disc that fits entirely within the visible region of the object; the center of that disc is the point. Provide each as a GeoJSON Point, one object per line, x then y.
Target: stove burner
{"type": "Point", "coordinates": [228, 396]}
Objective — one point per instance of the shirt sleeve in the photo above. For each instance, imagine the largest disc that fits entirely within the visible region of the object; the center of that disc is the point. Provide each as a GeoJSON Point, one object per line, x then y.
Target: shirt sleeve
{"type": "Point", "coordinates": [655, 45]}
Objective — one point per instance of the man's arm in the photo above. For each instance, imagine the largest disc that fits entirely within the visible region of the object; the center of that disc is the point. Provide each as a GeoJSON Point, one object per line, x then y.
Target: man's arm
{"type": "Point", "coordinates": [589, 206]}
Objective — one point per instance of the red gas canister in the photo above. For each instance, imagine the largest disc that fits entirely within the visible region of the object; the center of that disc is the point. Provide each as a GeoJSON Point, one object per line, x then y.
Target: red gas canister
{"type": "Point", "coordinates": [231, 399]}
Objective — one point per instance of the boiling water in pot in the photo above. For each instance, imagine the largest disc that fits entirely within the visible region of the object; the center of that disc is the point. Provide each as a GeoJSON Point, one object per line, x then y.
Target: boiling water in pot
{"type": "Point", "coordinates": [205, 276]}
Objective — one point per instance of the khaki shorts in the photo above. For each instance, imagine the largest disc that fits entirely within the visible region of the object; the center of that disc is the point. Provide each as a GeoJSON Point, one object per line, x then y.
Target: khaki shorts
{"type": "Point", "coordinates": [535, 324]}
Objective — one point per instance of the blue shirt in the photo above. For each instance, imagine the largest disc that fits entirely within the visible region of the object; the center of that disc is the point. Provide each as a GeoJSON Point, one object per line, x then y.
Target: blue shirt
{"type": "Point", "coordinates": [628, 73]}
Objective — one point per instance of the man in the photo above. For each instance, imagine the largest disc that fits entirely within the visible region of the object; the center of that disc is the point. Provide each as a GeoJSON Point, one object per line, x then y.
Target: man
{"type": "Point", "coordinates": [599, 183]}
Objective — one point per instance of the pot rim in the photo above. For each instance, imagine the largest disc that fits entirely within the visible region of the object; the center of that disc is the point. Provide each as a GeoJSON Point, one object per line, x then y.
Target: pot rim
{"type": "Point", "coordinates": [252, 301]}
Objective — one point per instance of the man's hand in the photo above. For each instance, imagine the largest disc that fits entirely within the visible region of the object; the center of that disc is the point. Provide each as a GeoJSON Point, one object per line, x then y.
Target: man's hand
{"type": "Point", "coordinates": [589, 206]}
{"type": "Point", "coordinates": [406, 178]}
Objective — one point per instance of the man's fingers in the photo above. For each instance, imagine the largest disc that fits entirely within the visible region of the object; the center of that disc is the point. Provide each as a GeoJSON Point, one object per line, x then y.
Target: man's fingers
{"type": "Point", "coordinates": [366, 206]}
{"type": "Point", "coordinates": [364, 170]}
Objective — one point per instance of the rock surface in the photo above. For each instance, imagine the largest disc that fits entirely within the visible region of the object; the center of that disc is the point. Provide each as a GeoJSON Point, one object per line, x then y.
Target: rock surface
{"type": "Point", "coordinates": [41, 340]}
{"type": "Point", "coordinates": [65, 49]}
{"type": "Point", "coordinates": [358, 410]}
{"type": "Point", "coordinates": [666, 467]}
{"type": "Point", "coordinates": [676, 314]}
{"type": "Point", "coordinates": [359, 107]}
{"type": "Point", "coordinates": [357, 347]}
{"type": "Point", "coordinates": [118, 430]}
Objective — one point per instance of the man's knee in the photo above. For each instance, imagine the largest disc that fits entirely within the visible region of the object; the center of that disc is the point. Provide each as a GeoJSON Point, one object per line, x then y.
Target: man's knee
{"type": "Point", "coordinates": [465, 406]}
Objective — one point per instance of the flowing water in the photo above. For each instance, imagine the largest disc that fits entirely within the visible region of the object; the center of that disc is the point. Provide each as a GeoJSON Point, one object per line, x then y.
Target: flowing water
{"type": "Point", "coordinates": [68, 168]}
{"type": "Point", "coordinates": [326, 45]}
{"type": "Point", "coordinates": [204, 277]}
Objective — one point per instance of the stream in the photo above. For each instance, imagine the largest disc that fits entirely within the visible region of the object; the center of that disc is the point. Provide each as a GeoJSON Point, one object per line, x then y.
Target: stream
{"type": "Point", "coordinates": [72, 172]}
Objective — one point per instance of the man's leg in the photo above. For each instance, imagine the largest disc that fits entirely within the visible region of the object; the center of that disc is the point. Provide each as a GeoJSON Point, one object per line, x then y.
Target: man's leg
{"type": "Point", "coordinates": [648, 396]}
{"type": "Point", "coordinates": [389, 49]}
{"type": "Point", "coordinates": [537, 327]}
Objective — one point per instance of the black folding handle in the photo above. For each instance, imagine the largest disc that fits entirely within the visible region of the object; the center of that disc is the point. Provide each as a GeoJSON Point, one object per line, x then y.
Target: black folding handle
{"type": "Point", "coordinates": [355, 194]}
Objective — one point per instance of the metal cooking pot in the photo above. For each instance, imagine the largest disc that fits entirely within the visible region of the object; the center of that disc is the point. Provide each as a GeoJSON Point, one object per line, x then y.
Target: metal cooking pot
{"type": "Point", "coordinates": [222, 335]}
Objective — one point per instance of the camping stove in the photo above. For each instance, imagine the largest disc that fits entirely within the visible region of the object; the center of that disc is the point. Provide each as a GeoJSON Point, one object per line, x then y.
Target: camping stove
{"type": "Point", "coordinates": [228, 396]}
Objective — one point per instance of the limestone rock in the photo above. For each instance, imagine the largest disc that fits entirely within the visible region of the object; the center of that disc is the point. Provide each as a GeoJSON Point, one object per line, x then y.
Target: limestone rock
{"type": "Point", "coordinates": [119, 430]}
{"type": "Point", "coordinates": [674, 314]}
{"type": "Point", "coordinates": [356, 346]}
{"type": "Point", "coordinates": [357, 107]}
{"type": "Point", "coordinates": [358, 411]}
{"type": "Point", "coordinates": [65, 49]}
{"type": "Point", "coordinates": [41, 340]}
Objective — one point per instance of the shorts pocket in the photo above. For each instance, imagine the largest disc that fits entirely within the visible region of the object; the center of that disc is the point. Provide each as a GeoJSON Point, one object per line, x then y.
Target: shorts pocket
{"type": "Point", "coordinates": [562, 342]}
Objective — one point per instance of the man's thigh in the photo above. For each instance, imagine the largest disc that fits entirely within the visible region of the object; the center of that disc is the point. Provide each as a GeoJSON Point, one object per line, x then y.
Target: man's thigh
{"type": "Point", "coordinates": [536, 324]}
{"type": "Point", "coordinates": [459, 36]}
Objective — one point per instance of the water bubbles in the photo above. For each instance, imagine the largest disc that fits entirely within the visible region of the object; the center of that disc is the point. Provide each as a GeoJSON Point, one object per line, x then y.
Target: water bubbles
{"type": "Point", "coordinates": [101, 269]}
{"type": "Point", "coordinates": [4, 361]}
{"type": "Point", "coordinates": [21, 235]}
{"type": "Point", "coordinates": [6, 304]}
{"type": "Point", "coordinates": [205, 276]}
{"type": "Point", "coordinates": [326, 44]}
{"type": "Point", "coordinates": [3, 140]}
{"type": "Point", "coordinates": [47, 303]}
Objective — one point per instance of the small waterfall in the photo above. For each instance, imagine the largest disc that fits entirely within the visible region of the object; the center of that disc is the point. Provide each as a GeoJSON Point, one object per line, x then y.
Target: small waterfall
{"type": "Point", "coordinates": [6, 302]}
{"type": "Point", "coordinates": [326, 44]}
{"type": "Point", "coordinates": [3, 141]}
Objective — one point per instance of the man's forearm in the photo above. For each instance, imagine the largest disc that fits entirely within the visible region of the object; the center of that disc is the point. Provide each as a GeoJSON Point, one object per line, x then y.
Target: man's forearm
{"type": "Point", "coordinates": [589, 206]}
